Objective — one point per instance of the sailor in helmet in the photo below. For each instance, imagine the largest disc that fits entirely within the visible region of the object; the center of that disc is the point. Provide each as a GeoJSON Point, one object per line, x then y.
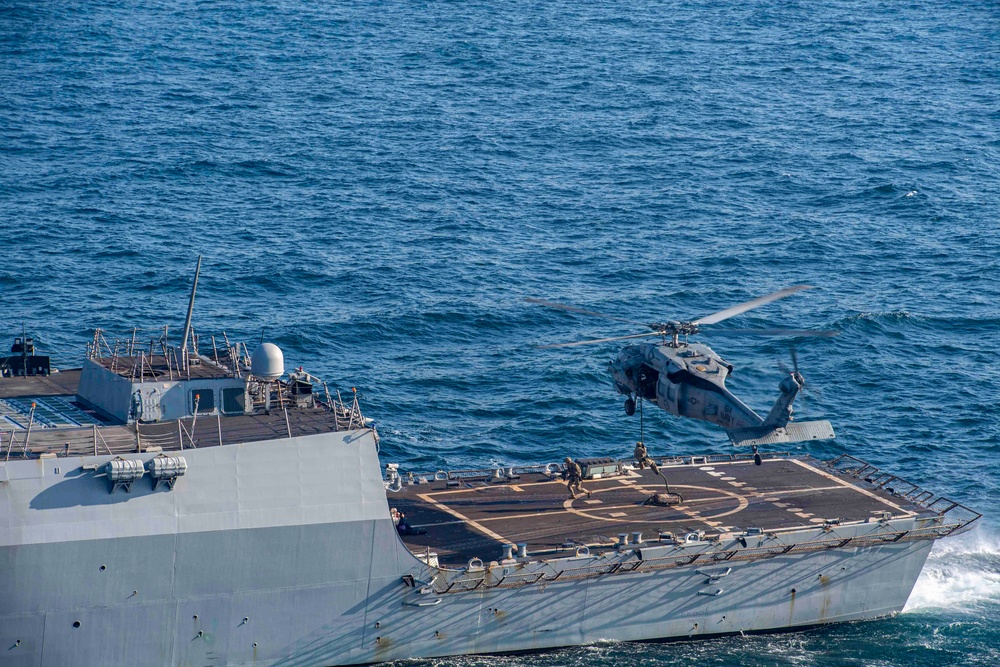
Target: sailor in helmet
{"type": "Point", "coordinates": [574, 477]}
{"type": "Point", "coordinates": [642, 458]}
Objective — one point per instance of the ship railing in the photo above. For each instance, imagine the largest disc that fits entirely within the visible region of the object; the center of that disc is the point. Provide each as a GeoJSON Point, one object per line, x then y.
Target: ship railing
{"type": "Point", "coordinates": [506, 472]}
{"type": "Point", "coordinates": [81, 440]}
{"type": "Point", "coordinates": [133, 356]}
{"type": "Point", "coordinates": [475, 474]}
{"type": "Point", "coordinates": [165, 441]}
{"type": "Point", "coordinates": [486, 578]}
{"type": "Point", "coordinates": [956, 514]}
{"type": "Point", "coordinates": [503, 577]}
{"type": "Point", "coordinates": [347, 415]}
{"type": "Point", "coordinates": [462, 585]}
{"type": "Point", "coordinates": [180, 434]}
{"type": "Point", "coordinates": [615, 563]}
{"type": "Point", "coordinates": [595, 570]}
{"type": "Point", "coordinates": [160, 361]}
{"type": "Point", "coordinates": [517, 579]}
{"type": "Point", "coordinates": [93, 440]}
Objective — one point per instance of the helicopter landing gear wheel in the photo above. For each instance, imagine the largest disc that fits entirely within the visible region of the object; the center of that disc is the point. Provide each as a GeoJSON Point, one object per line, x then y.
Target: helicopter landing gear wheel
{"type": "Point", "coordinates": [630, 406]}
{"type": "Point", "coordinates": [757, 460]}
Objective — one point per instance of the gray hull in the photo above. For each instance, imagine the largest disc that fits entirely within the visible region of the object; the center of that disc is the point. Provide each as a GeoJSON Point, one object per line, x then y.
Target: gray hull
{"type": "Point", "coordinates": [283, 553]}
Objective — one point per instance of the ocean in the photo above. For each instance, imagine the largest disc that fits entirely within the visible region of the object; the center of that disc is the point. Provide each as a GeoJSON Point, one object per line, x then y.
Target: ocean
{"type": "Point", "coordinates": [376, 186]}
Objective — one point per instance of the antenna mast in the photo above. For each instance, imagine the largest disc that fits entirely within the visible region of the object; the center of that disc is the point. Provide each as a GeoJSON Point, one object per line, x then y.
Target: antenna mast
{"type": "Point", "coordinates": [187, 322]}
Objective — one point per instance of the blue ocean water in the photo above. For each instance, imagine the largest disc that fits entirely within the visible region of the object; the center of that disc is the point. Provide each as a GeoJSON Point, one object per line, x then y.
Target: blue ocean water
{"type": "Point", "coordinates": [377, 185]}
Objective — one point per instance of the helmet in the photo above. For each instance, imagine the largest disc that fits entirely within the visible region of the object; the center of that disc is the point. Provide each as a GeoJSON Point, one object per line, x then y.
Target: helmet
{"type": "Point", "coordinates": [568, 460]}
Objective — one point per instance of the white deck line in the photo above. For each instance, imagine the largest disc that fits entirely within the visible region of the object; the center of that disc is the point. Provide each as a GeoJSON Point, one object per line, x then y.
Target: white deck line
{"type": "Point", "coordinates": [483, 529]}
{"type": "Point", "coordinates": [856, 488]}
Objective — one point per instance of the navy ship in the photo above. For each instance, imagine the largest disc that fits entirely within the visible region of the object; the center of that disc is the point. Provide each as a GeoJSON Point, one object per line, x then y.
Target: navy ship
{"type": "Point", "coordinates": [191, 503]}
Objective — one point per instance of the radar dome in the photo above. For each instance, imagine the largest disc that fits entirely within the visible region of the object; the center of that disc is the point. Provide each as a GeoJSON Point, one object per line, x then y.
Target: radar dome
{"type": "Point", "coordinates": [267, 362]}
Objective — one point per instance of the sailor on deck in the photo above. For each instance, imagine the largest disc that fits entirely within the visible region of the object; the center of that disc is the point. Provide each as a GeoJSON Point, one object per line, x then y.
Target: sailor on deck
{"type": "Point", "coordinates": [642, 458]}
{"type": "Point", "coordinates": [574, 476]}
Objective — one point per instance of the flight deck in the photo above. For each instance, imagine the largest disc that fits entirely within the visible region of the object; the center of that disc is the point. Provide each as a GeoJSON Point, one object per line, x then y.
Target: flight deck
{"type": "Point", "coordinates": [464, 517]}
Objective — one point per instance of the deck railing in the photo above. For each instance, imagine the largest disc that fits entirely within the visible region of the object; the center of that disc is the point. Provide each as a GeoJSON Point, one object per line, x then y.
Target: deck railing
{"type": "Point", "coordinates": [186, 433]}
{"type": "Point", "coordinates": [616, 563]}
{"type": "Point", "coordinates": [488, 474]}
{"type": "Point", "coordinates": [959, 516]}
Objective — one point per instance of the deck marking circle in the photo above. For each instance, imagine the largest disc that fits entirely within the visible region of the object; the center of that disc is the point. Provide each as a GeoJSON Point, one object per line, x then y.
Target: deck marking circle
{"type": "Point", "coordinates": [742, 504]}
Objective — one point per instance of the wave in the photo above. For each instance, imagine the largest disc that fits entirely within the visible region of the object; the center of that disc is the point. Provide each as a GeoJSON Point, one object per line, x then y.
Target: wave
{"type": "Point", "coordinates": [867, 319]}
{"type": "Point", "coordinates": [960, 573]}
{"type": "Point", "coordinates": [882, 320]}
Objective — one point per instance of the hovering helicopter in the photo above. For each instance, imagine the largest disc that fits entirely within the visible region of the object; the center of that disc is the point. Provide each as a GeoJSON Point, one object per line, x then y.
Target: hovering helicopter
{"type": "Point", "coordinates": [689, 379]}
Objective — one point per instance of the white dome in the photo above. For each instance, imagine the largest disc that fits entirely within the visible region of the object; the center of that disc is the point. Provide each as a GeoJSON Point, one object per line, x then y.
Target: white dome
{"type": "Point", "coordinates": [267, 362]}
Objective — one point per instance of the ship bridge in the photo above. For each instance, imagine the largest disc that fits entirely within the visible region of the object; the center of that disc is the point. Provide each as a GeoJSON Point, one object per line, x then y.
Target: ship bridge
{"type": "Point", "coordinates": [129, 397]}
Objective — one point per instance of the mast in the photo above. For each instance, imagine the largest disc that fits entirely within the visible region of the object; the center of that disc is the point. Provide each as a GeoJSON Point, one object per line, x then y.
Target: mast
{"type": "Point", "coordinates": [187, 322]}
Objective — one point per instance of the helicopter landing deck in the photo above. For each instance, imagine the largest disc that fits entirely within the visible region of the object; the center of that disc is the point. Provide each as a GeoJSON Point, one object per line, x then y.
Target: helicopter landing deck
{"type": "Point", "coordinates": [467, 517]}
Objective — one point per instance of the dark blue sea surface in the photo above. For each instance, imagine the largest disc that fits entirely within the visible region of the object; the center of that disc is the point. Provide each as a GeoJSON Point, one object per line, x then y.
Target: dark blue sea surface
{"type": "Point", "coordinates": [379, 185]}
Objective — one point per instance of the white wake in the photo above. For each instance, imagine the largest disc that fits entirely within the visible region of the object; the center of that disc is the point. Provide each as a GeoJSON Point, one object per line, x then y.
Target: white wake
{"type": "Point", "coordinates": [960, 573]}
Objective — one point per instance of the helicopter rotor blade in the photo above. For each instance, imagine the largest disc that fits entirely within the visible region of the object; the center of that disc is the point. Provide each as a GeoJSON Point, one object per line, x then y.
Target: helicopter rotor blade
{"type": "Point", "coordinates": [597, 340]}
{"type": "Point", "coordinates": [818, 333]}
{"type": "Point", "coordinates": [581, 311]}
{"type": "Point", "coordinates": [749, 305]}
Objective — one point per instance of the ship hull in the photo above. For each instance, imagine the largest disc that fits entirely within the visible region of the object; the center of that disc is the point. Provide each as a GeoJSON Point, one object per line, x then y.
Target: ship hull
{"type": "Point", "coordinates": [284, 553]}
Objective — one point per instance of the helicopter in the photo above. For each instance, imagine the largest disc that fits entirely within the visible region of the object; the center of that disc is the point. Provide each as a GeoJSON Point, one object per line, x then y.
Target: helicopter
{"type": "Point", "coordinates": [688, 379]}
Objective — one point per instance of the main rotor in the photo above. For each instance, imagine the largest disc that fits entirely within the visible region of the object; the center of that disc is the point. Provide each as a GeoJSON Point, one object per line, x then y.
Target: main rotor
{"type": "Point", "coordinates": [673, 330]}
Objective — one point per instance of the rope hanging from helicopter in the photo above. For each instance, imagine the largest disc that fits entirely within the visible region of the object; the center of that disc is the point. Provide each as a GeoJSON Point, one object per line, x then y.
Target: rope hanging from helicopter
{"type": "Point", "coordinates": [669, 497]}
{"type": "Point", "coordinates": [642, 434]}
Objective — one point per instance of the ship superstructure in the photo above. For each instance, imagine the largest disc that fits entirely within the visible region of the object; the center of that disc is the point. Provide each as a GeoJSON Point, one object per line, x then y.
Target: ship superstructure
{"type": "Point", "coordinates": [165, 506]}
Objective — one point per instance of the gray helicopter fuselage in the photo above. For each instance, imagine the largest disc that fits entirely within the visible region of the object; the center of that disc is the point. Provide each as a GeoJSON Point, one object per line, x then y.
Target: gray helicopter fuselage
{"type": "Point", "coordinates": [687, 380]}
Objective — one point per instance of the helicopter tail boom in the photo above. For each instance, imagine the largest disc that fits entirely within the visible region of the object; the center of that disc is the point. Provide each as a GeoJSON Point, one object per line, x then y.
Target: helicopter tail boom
{"type": "Point", "coordinates": [778, 427]}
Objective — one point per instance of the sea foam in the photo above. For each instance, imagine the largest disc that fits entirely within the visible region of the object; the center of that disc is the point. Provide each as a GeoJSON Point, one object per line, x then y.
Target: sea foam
{"type": "Point", "coordinates": [960, 573]}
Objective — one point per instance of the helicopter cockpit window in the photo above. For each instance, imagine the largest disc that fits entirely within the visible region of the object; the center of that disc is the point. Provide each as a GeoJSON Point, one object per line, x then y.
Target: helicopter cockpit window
{"type": "Point", "coordinates": [647, 380]}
